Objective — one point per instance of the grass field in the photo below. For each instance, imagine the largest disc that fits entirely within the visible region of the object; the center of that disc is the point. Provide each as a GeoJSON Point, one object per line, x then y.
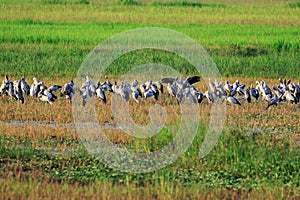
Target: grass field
{"type": "Point", "coordinates": [257, 156]}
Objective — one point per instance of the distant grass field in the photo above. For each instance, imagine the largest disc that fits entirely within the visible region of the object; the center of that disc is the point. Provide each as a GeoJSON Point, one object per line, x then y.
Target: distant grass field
{"type": "Point", "coordinates": [58, 48]}
{"type": "Point", "coordinates": [257, 156]}
{"type": "Point", "coordinates": [63, 10]}
{"type": "Point", "coordinates": [52, 38]}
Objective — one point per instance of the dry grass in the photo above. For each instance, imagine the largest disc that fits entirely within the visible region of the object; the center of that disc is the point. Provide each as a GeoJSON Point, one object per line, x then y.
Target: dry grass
{"type": "Point", "coordinates": [282, 119]}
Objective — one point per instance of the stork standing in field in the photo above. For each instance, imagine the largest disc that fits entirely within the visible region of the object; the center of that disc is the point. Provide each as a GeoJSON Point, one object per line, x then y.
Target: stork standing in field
{"type": "Point", "coordinates": [47, 95]}
{"type": "Point", "coordinates": [209, 97]}
{"type": "Point", "coordinates": [267, 90]}
{"type": "Point", "coordinates": [134, 91]}
{"type": "Point", "coordinates": [91, 86]}
{"type": "Point", "coordinates": [188, 95]}
{"type": "Point", "coordinates": [153, 88]}
{"type": "Point", "coordinates": [11, 91]}
{"type": "Point", "coordinates": [297, 93]}
{"type": "Point", "coordinates": [172, 89]}
{"type": "Point", "coordinates": [212, 86]}
{"type": "Point", "coordinates": [6, 80]}
{"type": "Point", "coordinates": [68, 91]}
{"type": "Point", "coordinates": [273, 102]}
{"type": "Point", "coordinates": [100, 93]}
{"type": "Point", "coordinates": [7, 88]}
{"type": "Point", "coordinates": [121, 90]}
{"type": "Point", "coordinates": [254, 92]}
{"type": "Point", "coordinates": [290, 97]}
{"type": "Point", "coordinates": [135, 94]}
{"type": "Point", "coordinates": [198, 95]}
{"type": "Point", "coordinates": [228, 87]}
{"type": "Point", "coordinates": [36, 87]}
{"type": "Point", "coordinates": [85, 92]}
{"type": "Point", "coordinates": [240, 89]}
{"type": "Point", "coordinates": [159, 86]}
{"type": "Point", "coordinates": [114, 87]}
{"type": "Point", "coordinates": [247, 95]}
{"type": "Point", "coordinates": [149, 89]}
{"type": "Point", "coordinates": [3, 88]}
{"type": "Point", "coordinates": [107, 86]}
{"type": "Point", "coordinates": [85, 95]}
{"type": "Point", "coordinates": [124, 93]}
{"type": "Point", "coordinates": [233, 100]}
{"type": "Point", "coordinates": [24, 86]}
{"type": "Point", "coordinates": [220, 89]}
{"type": "Point", "coordinates": [148, 94]}
{"type": "Point", "coordinates": [18, 91]}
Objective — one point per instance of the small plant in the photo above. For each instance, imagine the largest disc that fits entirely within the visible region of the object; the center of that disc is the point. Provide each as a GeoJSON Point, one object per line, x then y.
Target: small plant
{"type": "Point", "coordinates": [294, 4]}
{"type": "Point", "coordinates": [186, 4]}
{"type": "Point", "coordinates": [84, 2]}
{"type": "Point", "coordinates": [127, 2]}
{"type": "Point", "coordinates": [55, 1]}
{"type": "Point", "coordinates": [63, 2]}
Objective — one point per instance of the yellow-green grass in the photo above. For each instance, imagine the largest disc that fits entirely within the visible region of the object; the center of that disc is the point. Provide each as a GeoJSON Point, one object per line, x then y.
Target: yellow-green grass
{"type": "Point", "coordinates": [239, 166]}
{"type": "Point", "coordinates": [272, 14]}
{"type": "Point", "coordinates": [33, 189]}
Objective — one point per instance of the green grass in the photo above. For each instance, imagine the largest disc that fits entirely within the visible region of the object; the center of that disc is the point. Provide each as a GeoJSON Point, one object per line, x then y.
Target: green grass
{"type": "Point", "coordinates": [254, 165]}
{"type": "Point", "coordinates": [237, 162]}
{"type": "Point", "coordinates": [54, 43]}
{"type": "Point", "coordinates": [58, 48]}
{"type": "Point", "coordinates": [294, 5]}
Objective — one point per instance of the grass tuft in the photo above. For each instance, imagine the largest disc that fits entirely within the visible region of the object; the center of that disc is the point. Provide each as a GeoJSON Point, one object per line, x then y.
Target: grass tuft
{"type": "Point", "coordinates": [294, 4]}
{"type": "Point", "coordinates": [127, 2]}
{"type": "Point", "coordinates": [186, 4]}
{"type": "Point", "coordinates": [65, 2]}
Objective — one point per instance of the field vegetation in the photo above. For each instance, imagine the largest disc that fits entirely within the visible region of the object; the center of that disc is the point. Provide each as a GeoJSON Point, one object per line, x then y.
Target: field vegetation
{"type": "Point", "coordinates": [257, 156]}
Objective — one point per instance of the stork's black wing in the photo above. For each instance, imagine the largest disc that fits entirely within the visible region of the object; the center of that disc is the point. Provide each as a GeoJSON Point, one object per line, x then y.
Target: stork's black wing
{"type": "Point", "coordinates": [193, 79]}
{"type": "Point", "coordinates": [53, 88]}
{"type": "Point", "coordinates": [242, 86]}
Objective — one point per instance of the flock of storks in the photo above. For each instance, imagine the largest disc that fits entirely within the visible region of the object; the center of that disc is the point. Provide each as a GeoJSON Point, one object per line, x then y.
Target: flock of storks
{"type": "Point", "coordinates": [285, 91]}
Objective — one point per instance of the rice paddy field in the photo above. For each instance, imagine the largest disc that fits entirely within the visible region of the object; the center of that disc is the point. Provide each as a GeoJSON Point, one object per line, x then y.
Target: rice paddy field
{"type": "Point", "coordinates": [257, 155]}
